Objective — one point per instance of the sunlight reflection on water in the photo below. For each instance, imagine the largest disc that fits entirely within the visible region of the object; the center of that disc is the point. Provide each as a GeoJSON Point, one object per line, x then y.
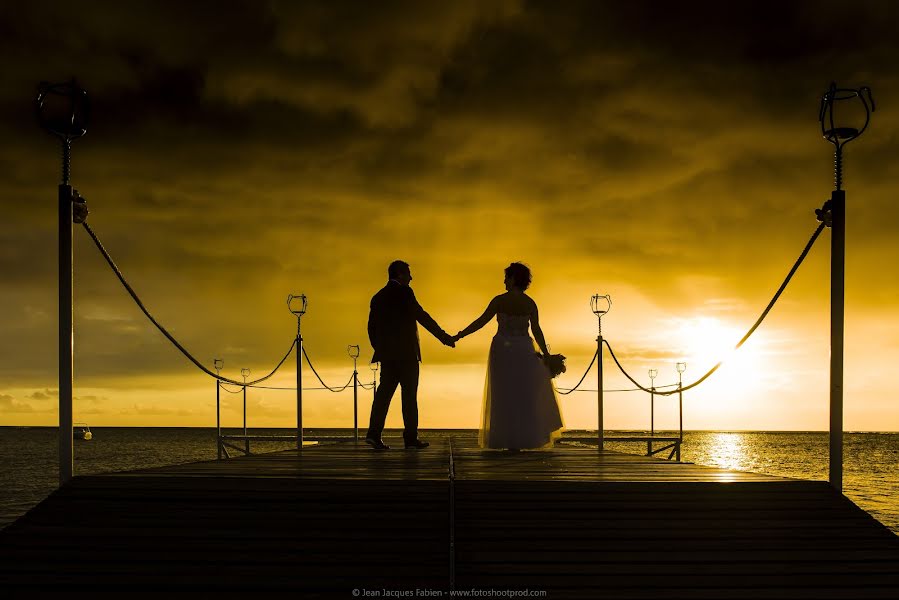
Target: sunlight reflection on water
{"type": "Point", "coordinates": [870, 461]}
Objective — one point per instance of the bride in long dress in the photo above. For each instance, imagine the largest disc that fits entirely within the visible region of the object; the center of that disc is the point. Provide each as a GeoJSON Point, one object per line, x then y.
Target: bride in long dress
{"type": "Point", "coordinates": [521, 409]}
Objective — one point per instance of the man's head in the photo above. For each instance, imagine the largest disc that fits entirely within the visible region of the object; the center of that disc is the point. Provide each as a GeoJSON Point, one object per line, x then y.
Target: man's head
{"type": "Point", "coordinates": [399, 270]}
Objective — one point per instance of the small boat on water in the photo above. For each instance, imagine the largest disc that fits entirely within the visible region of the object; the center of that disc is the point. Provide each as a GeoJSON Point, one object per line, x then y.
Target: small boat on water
{"type": "Point", "coordinates": [80, 431]}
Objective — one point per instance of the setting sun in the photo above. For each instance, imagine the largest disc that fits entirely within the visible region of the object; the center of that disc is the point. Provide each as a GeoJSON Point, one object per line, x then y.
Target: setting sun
{"type": "Point", "coordinates": [709, 341]}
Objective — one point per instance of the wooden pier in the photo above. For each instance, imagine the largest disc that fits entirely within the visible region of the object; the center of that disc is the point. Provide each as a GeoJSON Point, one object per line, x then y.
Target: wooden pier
{"type": "Point", "coordinates": [331, 519]}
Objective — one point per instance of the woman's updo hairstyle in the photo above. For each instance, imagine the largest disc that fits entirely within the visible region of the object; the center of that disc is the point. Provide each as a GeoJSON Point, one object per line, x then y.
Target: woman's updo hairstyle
{"type": "Point", "coordinates": [520, 274]}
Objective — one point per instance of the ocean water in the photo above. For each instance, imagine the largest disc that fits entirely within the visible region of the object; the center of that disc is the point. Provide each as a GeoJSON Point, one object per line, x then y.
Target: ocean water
{"type": "Point", "coordinates": [29, 472]}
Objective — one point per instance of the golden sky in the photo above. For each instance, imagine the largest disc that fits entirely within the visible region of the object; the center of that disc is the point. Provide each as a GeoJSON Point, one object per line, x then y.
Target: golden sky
{"type": "Point", "coordinates": [667, 154]}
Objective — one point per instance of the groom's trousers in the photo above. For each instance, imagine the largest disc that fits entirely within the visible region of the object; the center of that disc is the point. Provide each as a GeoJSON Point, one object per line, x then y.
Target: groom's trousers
{"type": "Point", "coordinates": [393, 373]}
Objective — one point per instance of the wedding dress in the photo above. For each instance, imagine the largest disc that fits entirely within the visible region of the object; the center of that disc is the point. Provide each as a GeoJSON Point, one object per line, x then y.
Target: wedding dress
{"type": "Point", "coordinates": [521, 409]}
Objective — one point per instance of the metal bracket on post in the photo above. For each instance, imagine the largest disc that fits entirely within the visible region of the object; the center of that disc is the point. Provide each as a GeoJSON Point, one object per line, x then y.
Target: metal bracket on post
{"type": "Point", "coordinates": [63, 109]}
{"type": "Point", "coordinates": [833, 214]}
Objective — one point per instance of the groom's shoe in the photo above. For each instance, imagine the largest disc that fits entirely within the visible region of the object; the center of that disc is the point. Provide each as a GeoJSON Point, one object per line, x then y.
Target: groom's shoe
{"type": "Point", "coordinates": [417, 444]}
{"type": "Point", "coordinates": [376, 443]}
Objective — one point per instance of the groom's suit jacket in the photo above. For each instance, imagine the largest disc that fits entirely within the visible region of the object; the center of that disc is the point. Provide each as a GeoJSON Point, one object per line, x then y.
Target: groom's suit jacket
{"type": "Point", "coordinates": [392, 324]}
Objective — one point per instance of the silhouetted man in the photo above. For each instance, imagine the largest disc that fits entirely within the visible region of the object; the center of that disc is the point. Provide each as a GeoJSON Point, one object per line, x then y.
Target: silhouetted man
{"type": "Point", "coordinates": [393, 333]}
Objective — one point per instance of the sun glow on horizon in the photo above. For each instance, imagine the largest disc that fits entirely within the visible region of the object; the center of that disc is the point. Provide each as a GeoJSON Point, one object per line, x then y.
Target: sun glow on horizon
{"type": "Point", "coordinates": [711, 340]}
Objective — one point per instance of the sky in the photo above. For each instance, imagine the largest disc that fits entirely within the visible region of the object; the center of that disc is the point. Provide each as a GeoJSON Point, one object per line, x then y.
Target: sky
{"type": "Point", "coordinates": [667, 154]}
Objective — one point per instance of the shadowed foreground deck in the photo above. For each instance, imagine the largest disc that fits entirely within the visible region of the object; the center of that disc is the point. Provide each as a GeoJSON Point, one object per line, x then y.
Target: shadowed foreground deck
{"type": "Point", "coordinates": [573, 522]}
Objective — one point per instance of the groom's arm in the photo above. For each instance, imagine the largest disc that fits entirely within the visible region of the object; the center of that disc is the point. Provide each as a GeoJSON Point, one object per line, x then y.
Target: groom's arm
{"type": "Point", "coordinates": [429, 323]}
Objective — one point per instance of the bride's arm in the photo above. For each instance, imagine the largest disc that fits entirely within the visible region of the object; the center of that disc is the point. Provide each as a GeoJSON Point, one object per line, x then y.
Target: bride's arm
{"type": "Point", "coordinates": [538, 333]}
{"type": "Point", "coordinates": [489, 313]}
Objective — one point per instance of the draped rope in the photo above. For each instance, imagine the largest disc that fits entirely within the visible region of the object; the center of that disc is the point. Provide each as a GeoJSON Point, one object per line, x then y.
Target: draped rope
{"type": "Point", "coordinates": [163, 330]}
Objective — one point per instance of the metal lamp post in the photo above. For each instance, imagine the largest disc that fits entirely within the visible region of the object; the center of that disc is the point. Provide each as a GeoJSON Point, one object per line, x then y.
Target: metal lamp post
{"type": "Point", "coordinates": [297, 306]}
{"type": "Point", "coordinates": [600, 305]}
{"type": "Point", "coordinates": [218, 364]}
{"type": "Point", "coordinates": [653, 373]}
{"type": "Point", "coordinates": [244, 372]}
{"type": "Point", "coordinates": [834, 214]}
{"type": "Point", "coordinates": [681, 367]}
{"type": "Point", "coordinates": [353, 351]}
{"type": "Point", "coordinates": [63, 109]}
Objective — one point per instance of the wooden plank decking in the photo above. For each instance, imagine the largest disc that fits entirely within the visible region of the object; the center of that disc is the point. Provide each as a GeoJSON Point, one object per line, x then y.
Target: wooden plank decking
{"type": "Point", "coordinates": [574, 522]}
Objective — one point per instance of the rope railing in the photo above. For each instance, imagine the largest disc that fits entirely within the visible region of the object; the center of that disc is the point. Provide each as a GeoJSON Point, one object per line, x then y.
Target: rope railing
{"type": "Point", "coordinates": [605, 391]}
{"type": "Point", "coordinates": [317, 376]}
{"type": "Point", "coordinates": [163, 330]}
{"type": "Point", "coordinates": [590, 366]}
{"type": "Point", "coordinates": [752, 329]}
{"type": "Point", "coordinates": [237, 391]}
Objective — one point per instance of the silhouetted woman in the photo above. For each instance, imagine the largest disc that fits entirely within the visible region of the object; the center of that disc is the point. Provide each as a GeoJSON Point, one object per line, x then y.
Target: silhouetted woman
{"type": "Point", "coordinates": [521, 409]}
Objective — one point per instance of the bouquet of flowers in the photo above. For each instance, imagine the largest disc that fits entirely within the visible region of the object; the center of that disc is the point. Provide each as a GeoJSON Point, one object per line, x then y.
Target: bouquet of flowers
{"type": "Point", "coordinates": [555, 363]}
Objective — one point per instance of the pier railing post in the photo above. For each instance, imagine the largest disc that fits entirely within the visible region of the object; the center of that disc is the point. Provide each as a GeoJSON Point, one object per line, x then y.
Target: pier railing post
{"type": "Point", "coordinates": [298, 312]}
{"type": "Point", "coordinates": [374, 381]}
{"type": "Point", "coordinates": [218, 418]}
{"type": "Point", "coordinates": [63, 110]}
{"type": "Point", "coordinates": [218, 364]}
{"type": "Point", "coordinates": [600, 429]}
{"type": "Point", "coordinates": [355, 405]}
{"type": "Point", "coordinates": [653, 373]}
{"type": "Point", "coordinates": [681, 367]}
{"type": "Point", "coordinates": [66, 331]}
{"type": "Point", "coordinates": [833, 214]}
{"type": "Point", "coordinates": [246, 438]}
{"type": "Point", "coordinates": [837, 318]}
{"type": "Point", "coordinates": [299, 386]}
{"type": "Point", "coordinates": [353, 351]}
{"type": "Point", "coordinates": [600, 305]}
